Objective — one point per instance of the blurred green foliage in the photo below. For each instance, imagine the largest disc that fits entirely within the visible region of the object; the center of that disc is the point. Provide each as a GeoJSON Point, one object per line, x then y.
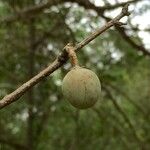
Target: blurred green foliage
{"type": "Point", "coordinates": [56, 125]}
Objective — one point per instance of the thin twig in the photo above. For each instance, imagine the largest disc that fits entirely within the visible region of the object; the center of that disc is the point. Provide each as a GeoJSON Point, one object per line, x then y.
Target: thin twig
{"type": "Point", "coordinates": [109, 24]}
{"type": "Point", "coordinates": [29, 12]}
{"type": "Point", "coordinates": [89, 5]}
{"type": "Point", "coordinates": [62, 58]}
{"type": "Point", "coordinates": [13, 144]}
{"type": "Point", "coordinates": [32, 11]}
{"type": "Point", "coordinates": [128, 39]}
{"type": "Point", "coordinates": [126, 119]}
{"type": "Point", "coordinates": [113, 124]}
{"type": "Point", "coordinates": [118, 90]}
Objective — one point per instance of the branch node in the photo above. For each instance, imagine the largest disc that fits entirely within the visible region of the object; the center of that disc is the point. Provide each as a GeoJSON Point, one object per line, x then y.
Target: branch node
{"type": "Point", "coordinates": [70, 49]}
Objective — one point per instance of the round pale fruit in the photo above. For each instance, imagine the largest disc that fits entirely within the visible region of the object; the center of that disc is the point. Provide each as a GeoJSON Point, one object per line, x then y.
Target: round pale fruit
{"type": "Point", "coordinates": [81, 87]}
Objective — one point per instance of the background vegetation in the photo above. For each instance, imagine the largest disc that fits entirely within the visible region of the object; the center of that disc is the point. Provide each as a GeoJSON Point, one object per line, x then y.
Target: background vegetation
{"type": "Point", "coordinates": [31, 37]}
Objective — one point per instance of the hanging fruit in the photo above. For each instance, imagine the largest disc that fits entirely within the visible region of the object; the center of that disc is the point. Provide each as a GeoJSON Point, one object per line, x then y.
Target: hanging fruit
{"type": "Point", "coordinates": [81, 86]}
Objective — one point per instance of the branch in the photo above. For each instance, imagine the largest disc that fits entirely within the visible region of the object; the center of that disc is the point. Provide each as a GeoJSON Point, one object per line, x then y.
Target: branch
{"type": "Point", "coordinates": [124, 35]}
{"type": "Point", "coordinates": [126, 119]}
{"type": "Point", "coordinates": [110, 7]}
{"type": "Point", "coordinates": [132, 43]}
{"type": "Point", "coordinates": [62, 58]}
{"type": "Point", "coordinates": [109, 24]}
{"type": "Point", "coordinates": [100, 9]}
{"type": "Point", "coordinates": [120, 30]}
{"type": "Point", "coordinates": [13, 144]}
{"type": "Point", "coordinates": [118, 90]}
{"type": "Point", "coordinates": [31, 11]}
{"type": "Point", "coordinates": [113, 124]}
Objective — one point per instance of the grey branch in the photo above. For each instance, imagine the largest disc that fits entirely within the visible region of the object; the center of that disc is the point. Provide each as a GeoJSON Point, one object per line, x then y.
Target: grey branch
{"type": "Point", "coordinates": [33, 11]}
{"type": "Point", "coordinates": [60, 60]}
{"type": "Point", "coordinates": [125, 117]}
{"type": "Point", "coordinates": [26, 12]}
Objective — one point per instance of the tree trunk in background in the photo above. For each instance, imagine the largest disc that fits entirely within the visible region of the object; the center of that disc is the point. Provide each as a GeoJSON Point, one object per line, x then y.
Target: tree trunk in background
{"type": "Point", "coordinates": [30, 132]}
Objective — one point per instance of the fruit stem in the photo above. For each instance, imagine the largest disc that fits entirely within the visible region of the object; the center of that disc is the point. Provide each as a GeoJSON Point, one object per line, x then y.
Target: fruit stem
{"type": "Point", "coordinates": [72, 55]}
